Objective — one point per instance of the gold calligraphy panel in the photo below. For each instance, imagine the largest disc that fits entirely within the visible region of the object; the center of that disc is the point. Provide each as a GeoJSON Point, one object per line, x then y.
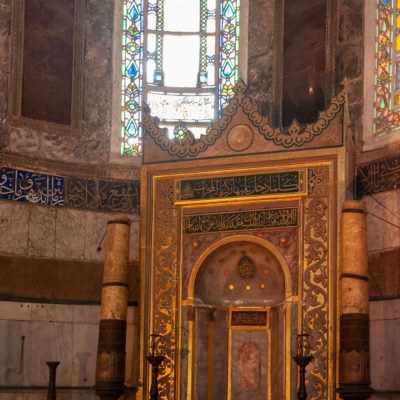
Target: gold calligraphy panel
{"type": "Point", "coordinates": [241, 220]}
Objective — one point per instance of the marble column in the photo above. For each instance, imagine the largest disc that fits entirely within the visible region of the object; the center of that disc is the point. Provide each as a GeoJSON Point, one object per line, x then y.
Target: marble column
{"type": "Point", "coordinates": [110, 365]}
{"type": "Point", "coordinates": [354, 371]}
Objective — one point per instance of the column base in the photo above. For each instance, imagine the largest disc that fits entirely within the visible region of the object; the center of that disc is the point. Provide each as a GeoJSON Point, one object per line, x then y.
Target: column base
{"type": "Point", "coordinates": [354, 391]}
{"type": "Point", "coordinates": [108, 392]}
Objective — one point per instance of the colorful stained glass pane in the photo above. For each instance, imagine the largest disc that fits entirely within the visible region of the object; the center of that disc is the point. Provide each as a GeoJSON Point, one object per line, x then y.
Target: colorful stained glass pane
{"type": "Point", "coordinates": [179, 60]}
{"type": "Point", "coordinates": [229, 51]}
{"type": "Point", "coordinates": [132, 77]}
{"type": "Point", "coordinates": [180, 132]}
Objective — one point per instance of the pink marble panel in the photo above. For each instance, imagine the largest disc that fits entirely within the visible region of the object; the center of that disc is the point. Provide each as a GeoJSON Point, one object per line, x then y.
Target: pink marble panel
{"type": "Point", "coordinates": [249, 365]}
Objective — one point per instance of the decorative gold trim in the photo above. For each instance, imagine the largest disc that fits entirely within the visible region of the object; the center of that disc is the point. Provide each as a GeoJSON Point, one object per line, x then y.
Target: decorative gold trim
{"type": "Point", "coordinates": [229, 389]}
{"type": "Point", "coordinates": [269, 361]}
{"type": "Point", "coordinates": [288, 331]}
{"type": "Point", "coordinates": [191, 358]}
{"type": "Point", "coordinates": [293, 137]}
{"type": "Point", "coordinates": [240, 238]}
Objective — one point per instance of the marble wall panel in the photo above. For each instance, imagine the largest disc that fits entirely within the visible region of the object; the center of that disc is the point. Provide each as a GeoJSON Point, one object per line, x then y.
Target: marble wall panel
{"type": "Point", "coordinates": [42, 232]}
{"type": "Point", "coordinates": [382, 235]}
{"type": "Point", "coordinates": [52, 312]}
{"type": "Point", "coordinates": [70, 234]}
{"type": "Point", "coordinates": [95, 229]}
{"type": "Point", "coordinates": [10, 310]}
{"type": "Point", "coordinates": [85, 339]}
{"type": "Point", "coordinates": [134, 241]}
{"type": "Point", "coordinates": [258, 338]}
{"type": "Point", "coordinates": [201, 354]}
{"type": "Point", "coordinates": [73, 342]}
{"type": "Point", "coordinates": [13, 396]}
{"type": "Point", "coordinates": [132, 347]}
{"type": "Point", "coordinates": [13, 227]}
{"type": "Point", "coordinates": [53, 341]}
{"type": "Point", "coordinates": [15, 358]}
{"type": "Point", "coordinates": [385, 345]}
{"type": "Point", "coordinates": [87, 314]}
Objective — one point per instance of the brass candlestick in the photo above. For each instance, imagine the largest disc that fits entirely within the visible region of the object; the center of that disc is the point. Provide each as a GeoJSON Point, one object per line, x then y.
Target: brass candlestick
{"type": "Point", "coordinates": [51, 394]}
{"type": "Point", "coordinates": [155, 360]}
{"type": "Point", "coordinates": [302, 359]}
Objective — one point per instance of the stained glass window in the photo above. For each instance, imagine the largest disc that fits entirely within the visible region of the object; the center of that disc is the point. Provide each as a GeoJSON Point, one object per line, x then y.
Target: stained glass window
{"type": "Point", "coordinates": [387, 68]}
{"type": "Point", "coordinates": [182, 58]}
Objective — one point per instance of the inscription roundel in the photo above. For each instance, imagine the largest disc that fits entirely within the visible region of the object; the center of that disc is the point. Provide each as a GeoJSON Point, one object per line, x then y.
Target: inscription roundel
{"type": "Point", "coordinates": [240, 137]}
{"type": "Point", "coordinates": [246, 268]}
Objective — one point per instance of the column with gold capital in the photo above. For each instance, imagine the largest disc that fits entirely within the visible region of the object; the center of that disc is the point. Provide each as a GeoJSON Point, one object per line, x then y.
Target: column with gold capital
{"type": "Point", "coordinates": [354, 370]}
{"type": "Point", "coordinates": [110, 365]}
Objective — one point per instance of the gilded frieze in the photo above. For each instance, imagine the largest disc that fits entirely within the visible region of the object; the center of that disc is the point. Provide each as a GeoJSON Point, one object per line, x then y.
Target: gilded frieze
{"type": "Point", "coordinates": [243, 185]}
{"type": "Point", "coordinates": [241, 220]}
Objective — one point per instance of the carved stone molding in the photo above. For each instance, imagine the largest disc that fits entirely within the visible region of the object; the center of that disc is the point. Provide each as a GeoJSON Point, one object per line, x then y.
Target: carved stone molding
{"type": "Point", "coordinates": [83, 171]}
{"type": "Point", "coordinates": [293, 137]}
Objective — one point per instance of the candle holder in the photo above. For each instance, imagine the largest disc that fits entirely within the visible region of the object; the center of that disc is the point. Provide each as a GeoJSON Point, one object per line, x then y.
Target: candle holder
{"type": "Point", "coordinates": [302, 359]}
{"type": "Point", "coordinates": [155, 358]}
{"type": "Point", "coordinates": [51, 393]}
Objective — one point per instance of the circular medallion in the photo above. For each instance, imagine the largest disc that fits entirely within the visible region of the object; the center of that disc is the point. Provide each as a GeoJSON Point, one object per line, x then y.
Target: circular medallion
{"type": "Point", "coordinates": [240, 137]}
{"type": "Point", "coordinates": [246, 268]}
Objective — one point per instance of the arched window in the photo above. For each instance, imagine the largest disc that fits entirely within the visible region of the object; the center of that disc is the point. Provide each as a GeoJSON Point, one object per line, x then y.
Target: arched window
{"type": "Point", "coordinates": [180, 57]}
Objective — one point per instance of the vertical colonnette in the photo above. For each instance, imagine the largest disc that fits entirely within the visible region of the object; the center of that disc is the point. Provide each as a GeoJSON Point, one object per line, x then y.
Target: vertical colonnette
{"type": "Point", "coordinates": [110, 366]}
{"type": "Point", "coordinates": [354, 372]}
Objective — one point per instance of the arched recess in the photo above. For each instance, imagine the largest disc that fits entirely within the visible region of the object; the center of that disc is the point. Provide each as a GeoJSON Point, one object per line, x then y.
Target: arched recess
{"type": "Point", "coordinates": [227, 319]}
{"type": "Point", "coordinates": [242, 238]}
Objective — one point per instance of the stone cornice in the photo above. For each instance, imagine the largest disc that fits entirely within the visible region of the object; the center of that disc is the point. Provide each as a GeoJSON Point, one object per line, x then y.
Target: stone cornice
{"type": "Point", "coordinates": [73, 170]}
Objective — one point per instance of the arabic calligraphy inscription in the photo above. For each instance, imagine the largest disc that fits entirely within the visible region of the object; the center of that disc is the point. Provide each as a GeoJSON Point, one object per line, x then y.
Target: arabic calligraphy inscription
{"type": "Point", "coordinates": [245, 185]}
{"type": "Point", "coordinates": [233, 221]}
